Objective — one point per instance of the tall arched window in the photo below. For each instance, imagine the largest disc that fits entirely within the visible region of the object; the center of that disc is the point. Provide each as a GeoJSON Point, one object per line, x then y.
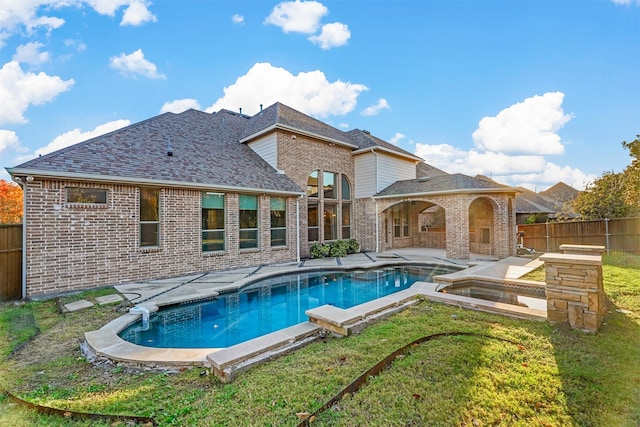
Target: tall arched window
{"type": "Point", "coordinates": [345, 191]}
{"type": "Point", "coordinates": [312, 184]}
{"type": "Point", "coordinates": [329, 210]}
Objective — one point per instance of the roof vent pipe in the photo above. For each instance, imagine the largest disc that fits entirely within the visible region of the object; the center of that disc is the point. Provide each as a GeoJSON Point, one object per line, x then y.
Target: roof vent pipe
{"type": "Point", "coordinates": [169, 149]}
{"type": "Point", "coordinates": [240, 110]}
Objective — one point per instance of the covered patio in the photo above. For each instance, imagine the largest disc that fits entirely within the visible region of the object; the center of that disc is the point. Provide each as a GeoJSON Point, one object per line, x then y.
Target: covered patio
{"type": "Point", "coordinates": [458, 213]}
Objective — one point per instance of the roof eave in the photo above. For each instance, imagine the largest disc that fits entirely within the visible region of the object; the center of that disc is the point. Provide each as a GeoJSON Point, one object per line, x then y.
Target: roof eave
{"type": "Point", "coordinates": [446, 192]}
{"type": "Point", "coordinates": [37, 173]}
{"type": "Point", "coordinates": [297, 131]}
{"type": "Point", "coordinates": [388, 151]}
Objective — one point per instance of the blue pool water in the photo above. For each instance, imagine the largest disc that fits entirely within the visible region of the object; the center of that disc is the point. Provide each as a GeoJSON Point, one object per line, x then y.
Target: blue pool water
{"type": "Point", "coordinates": [270, 305]}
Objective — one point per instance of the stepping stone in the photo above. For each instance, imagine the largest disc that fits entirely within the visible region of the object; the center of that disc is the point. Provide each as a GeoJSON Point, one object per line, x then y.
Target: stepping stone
{"type": "Point", "coordinates": [108, 299]}
{"type": "Point", "coordinates": [78, 305]}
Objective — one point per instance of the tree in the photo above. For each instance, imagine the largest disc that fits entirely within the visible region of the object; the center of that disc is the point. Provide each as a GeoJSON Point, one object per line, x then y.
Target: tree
{"type": "Point", "coordinates": [603, 198]}
{"type": "Point", "coordinates": [613, 195]}
{"type": "Point", "coordinates": [10, 203]}
{"type": "Point", "coordinates": [631, 190]}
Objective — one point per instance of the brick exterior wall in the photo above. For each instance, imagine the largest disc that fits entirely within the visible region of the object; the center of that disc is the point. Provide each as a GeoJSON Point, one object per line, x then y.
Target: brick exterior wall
{"type": "Point", "coordinates": [72, 247]}
{"type": "Point", "coordinates": [300, 155]}
{"type": "Point", "coordinates": [364, 218]}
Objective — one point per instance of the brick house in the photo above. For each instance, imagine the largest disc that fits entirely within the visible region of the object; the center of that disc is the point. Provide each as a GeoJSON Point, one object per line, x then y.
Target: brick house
{"type": "Point", "coordinates": [193, 192]}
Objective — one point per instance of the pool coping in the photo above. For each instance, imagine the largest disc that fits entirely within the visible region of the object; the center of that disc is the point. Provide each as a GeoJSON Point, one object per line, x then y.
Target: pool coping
{"type": "Point", "coordinates": [105, 344]}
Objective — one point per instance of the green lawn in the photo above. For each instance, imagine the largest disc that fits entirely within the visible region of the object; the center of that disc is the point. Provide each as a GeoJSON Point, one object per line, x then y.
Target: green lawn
{"type": "Point", "coordinates": [544, 376]}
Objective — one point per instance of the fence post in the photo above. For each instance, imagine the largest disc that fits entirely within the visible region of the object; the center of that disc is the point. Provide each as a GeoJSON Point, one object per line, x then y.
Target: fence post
{"type": "Point", "coordinates": [606, 233]}
{"type": "Point", "coordinates": [546, 227]}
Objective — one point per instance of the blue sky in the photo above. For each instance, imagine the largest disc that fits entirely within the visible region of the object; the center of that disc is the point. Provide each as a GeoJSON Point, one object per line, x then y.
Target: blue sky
{"type": "Point", "coordinates": [527, 92]}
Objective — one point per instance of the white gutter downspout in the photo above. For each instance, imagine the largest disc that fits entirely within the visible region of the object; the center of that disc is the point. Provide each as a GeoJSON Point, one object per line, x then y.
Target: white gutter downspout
{"type": "Point", "coordinates": [377, 227]}
{"type": "Point", "coordinates": [298, 228]}
{"type": "Point", "coordinates": [23, 185]}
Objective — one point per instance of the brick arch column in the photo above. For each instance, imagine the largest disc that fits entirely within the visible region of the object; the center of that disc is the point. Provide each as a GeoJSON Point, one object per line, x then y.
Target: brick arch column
{"type": "Point", "coordinates": [503, 225]}
{"type": "Point", "coordinates": [457, 219]}
{"type": "Point", "coordinates": [503, 238]}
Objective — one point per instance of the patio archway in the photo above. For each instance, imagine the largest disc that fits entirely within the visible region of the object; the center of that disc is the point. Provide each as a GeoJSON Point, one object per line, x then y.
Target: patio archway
{"type": "Point", "coordinates": [482, 227]}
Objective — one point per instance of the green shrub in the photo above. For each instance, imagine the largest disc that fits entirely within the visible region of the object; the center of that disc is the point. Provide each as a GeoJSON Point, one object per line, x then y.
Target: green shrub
{"type": "Point", "coordinates": [353, 247]}
{"type": "Point", "coordinates": [318, 250]}
{"type": "Point", "coordinates": [338, 248]}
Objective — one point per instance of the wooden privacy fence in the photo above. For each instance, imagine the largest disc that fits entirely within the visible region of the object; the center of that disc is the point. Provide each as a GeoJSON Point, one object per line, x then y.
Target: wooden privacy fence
{"type": "Point", "coordinates": [616, 235]}
{"type": "Point", "coordinates": [10, 262]}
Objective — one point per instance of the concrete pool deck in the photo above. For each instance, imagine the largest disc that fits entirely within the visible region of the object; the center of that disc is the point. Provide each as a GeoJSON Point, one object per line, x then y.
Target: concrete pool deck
{"type": "Point", "coordinates": [227, 362]}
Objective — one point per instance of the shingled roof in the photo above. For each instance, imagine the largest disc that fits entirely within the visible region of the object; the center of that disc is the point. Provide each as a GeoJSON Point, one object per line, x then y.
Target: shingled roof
{"type": "Point", "coordinates": [442, 184]}
{"type": "Point", "coordinates": [561, 193]}
{"type": "Point", "coordinates": [283, 116]}
{"type": "Point", "coordinates": [531, 202]}
{"type": "Point", "coordinates": [205, 149]}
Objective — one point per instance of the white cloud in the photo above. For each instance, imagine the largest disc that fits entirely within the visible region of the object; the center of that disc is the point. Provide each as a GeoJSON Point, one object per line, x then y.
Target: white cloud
{"type": "Point", "coordinates": [395, 139]}
{"type": "Point", "coordinates": [375, 109]}
{"type": "Point", "coordinates": [8, 139]}
{"type": "Point", "coordinates": [179, 105]}
{"type": "Point", "coordinates": [511, 147]}
{"type": "Point", "coordinates": [526, 127]}
{"type": "Point", "coordinates": [627, 2]}
{"type": "Point", "coordinates": [297, 16]}
{"type": "Point", "coordinates": [529, 171]}
{"type": "Point", "coordinates": [439, 155]}
{"type": "Point", "coordinates": [75, 44]}
{"type": "Point", "coordinates": [135, 64]}
{"type": "Point", "coordinates": [136, 12]}
{"type": "Point", "coordinates": [19, 90]}
{"type": "Point", "coordinates": [550, 175]}
{"type": "Point", "coordinates": [30, 54]}
{"type": "Point", "coordinates": [74, 136]}
{"type": "Point", "coordinates": [237, 19]}
{"type": "Point", "coordinates": [309, 92]}
{"type": "Point", "coordinates": [304, 17]}
{"type": "Point", "coordinates": [28, 14]}
{"type": "Point", "coordinates": [15, 14]}
{"type": "Point", "coordinates": [332, 35]}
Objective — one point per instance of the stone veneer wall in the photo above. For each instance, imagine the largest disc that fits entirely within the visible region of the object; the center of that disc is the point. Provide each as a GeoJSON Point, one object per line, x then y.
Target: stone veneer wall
{"type": "Point", "coordinates": [72, 247]}
{"type": "Point", "coordinates": [575, 290]}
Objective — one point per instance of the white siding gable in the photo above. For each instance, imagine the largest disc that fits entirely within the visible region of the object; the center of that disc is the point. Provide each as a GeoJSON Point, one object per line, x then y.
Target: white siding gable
{"type": "Point", "coordinates": [375, 172]}
{"type": "Point", "coordinates": [392, 169]}
{"type": "Point", "coordinates": [365, 171]}
{"type": "Point", "coordinates": [267, 148]}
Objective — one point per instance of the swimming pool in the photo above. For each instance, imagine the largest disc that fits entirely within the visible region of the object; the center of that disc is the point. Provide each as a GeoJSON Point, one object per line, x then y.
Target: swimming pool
{"type": "Point", "coordinates": [270, 305]}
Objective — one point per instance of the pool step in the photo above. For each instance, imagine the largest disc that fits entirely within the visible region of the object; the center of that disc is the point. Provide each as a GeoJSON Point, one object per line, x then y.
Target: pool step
{"type": "Point", "coordinates": [226, 363]}
{"type": "Point", "coordinates": [343, 322]}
